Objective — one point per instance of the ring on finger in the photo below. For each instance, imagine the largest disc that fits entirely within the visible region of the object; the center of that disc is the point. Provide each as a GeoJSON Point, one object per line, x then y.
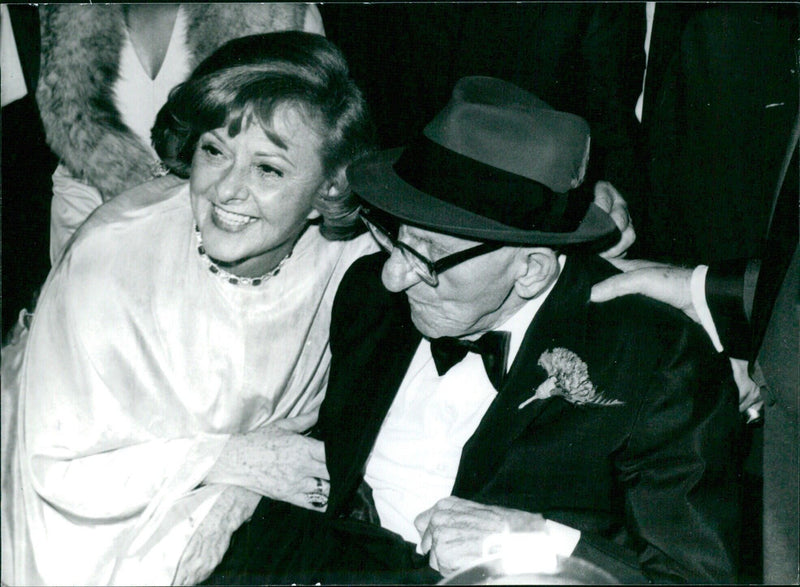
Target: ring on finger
{"type": "Point", "coordinates": [316, 499]}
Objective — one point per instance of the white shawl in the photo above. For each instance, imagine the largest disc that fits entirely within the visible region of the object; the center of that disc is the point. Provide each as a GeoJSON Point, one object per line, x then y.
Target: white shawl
{"type": "Point", "coordinates": [139, 365]}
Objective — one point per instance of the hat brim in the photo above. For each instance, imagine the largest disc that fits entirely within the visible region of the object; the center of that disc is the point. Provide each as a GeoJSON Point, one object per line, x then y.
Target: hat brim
{"type": "Point", "coordinates": [374, 180]}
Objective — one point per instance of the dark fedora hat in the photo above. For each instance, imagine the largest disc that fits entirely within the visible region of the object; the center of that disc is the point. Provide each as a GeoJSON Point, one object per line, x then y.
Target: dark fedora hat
{"type": "Point", "coordinates": [496, 164]}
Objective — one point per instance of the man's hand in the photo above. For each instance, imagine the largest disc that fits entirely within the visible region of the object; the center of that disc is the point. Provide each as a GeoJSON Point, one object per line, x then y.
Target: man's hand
{"type": "Point", "coordinates": [665, 283]}
{"type": "Point", "coordinates": [454, 530]}
{"type": "Point", "coordinates": [608, 199]}
{"type": "Point", "coordinates": [277, 461]}
{"type": "Point", "coordinates": [210, 541]}
{"type": "Point", "coordinates": [671, 285]}
{"type": "Point", "coordinates": [749, 393]}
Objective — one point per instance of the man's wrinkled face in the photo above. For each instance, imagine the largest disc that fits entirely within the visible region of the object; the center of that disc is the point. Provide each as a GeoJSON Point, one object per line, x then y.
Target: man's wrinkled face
{"type": "Point", "coordinates": [472, 297]}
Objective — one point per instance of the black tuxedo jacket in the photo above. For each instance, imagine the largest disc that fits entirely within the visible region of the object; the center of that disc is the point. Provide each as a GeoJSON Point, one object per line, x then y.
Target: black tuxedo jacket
{"type": "Point", "coordinates": [650, 483]}
{"type": "Point", "coordinates": [720, 101]}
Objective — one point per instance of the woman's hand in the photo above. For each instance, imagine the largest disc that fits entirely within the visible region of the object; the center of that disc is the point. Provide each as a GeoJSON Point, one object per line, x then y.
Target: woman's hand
{"type": "Point", "coordinates": [278, 462]}
{"type": "Point", "coordinates": [210, 541]}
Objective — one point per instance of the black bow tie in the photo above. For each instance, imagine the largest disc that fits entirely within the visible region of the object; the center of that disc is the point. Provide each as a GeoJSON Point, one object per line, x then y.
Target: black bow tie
{"type": "Point", "coordinates": [492, 347]}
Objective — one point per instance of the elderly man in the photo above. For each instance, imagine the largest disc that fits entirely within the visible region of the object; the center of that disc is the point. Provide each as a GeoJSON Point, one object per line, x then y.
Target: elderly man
{"type": "Point", "coordinates": [474, 390]}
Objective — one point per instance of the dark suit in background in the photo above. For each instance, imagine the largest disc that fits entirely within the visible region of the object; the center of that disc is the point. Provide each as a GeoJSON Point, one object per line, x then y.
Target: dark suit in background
{"type": "Point", "coordinates": [721, 97]}
{"type": "Point", "coordinates": [756, 307]}
{"type": "Point", "coordinates": [720, 100]}
{"type": "Point", "coordinates": [778, 361]}
{"type": "Point", "coordinates": [587, 58]}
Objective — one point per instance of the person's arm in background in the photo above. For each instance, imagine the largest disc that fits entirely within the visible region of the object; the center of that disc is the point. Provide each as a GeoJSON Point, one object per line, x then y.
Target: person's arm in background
{"type": "Point", "coordinates": [729, 291]}
{"type": "Point", "coordinates": [688, 290]}
{"type": "Point", "coordinates": [721, 297]}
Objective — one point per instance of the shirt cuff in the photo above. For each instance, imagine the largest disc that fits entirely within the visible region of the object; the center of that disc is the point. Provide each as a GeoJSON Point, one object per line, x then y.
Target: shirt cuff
{"type": "Point", "coordinates": [698, 288]}
{"type": "Point", "coordinates": [564, 539]}
{"type": "Point", "coordinates": [523, 552]}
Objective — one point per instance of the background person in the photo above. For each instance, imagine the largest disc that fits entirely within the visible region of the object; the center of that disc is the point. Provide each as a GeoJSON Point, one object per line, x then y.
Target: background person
{"type": "Point", "coordinates": [720, 98]}
{"type": "Point", "coordinates": [107, 70]}
{"type": "Point", "coordinates": [750, 310]}
{"type": "Point", "coordinates": [27, 164]}
{"type": "Point", "coordinates": [180, 345]}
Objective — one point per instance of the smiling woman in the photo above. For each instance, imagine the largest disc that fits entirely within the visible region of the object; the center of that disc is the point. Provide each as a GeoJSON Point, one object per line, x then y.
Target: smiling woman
{"type": "Point", "coordinates": [252, 195]}
{"type": "Point", "coordinates": [303, 117]}
{"type": "Point", "coordinates": [156, 401]}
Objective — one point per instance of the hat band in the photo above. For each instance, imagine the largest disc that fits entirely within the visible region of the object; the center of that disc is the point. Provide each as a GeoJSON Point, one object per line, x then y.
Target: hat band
{"type": "Point", "coordinates": [490, 192]}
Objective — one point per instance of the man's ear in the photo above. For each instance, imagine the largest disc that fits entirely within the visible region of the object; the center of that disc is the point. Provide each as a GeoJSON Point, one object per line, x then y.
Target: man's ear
{"type": "Point", "coordinates": [537, 268]}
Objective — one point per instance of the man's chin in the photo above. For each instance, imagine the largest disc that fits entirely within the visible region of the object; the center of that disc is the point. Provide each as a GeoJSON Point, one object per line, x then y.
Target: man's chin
{"type": "Point", "coordinates": [430, 328]}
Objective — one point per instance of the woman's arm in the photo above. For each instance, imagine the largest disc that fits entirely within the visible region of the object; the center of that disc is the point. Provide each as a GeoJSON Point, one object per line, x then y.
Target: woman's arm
{"type": "Point", "coordinates": [210, 541]}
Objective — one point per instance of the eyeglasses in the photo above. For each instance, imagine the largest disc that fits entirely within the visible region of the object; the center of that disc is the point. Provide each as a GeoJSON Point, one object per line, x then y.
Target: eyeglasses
{"type": "Point", "coordinates": [426, 269]}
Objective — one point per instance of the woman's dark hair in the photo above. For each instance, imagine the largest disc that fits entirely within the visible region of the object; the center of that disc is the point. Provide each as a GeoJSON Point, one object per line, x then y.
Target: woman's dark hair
{"type": "Point", "coordinates": [253, 76]}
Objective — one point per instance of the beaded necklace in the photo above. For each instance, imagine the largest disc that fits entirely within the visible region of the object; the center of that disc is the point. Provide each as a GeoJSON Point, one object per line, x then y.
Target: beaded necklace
{"type": "Point", "coordinates": [230, 277]}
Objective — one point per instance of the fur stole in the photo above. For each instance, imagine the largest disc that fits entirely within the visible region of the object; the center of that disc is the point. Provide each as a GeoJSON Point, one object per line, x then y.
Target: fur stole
{"type": "Point", "coordinates": [81, 46]}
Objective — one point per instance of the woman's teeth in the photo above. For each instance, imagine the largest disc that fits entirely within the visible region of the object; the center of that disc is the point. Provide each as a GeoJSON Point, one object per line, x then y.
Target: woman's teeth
{"type": "Point", "coordinates": [231, 218]}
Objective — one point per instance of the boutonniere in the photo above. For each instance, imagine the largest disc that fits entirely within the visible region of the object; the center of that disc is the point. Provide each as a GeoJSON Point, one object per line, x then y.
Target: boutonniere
{"type": "Point", "coordinates": [568, 377]}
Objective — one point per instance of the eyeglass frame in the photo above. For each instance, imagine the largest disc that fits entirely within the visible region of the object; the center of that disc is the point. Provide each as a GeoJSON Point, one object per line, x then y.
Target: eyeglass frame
{"type": "Point", "coordinates": [434, 268]}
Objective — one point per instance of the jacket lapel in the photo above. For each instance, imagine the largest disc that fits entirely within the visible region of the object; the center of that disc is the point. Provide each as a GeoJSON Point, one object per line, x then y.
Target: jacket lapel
{"type": "Point", "coordinates": [373, 386]}
{"type": "Point", "coordinates": [560, 322]}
